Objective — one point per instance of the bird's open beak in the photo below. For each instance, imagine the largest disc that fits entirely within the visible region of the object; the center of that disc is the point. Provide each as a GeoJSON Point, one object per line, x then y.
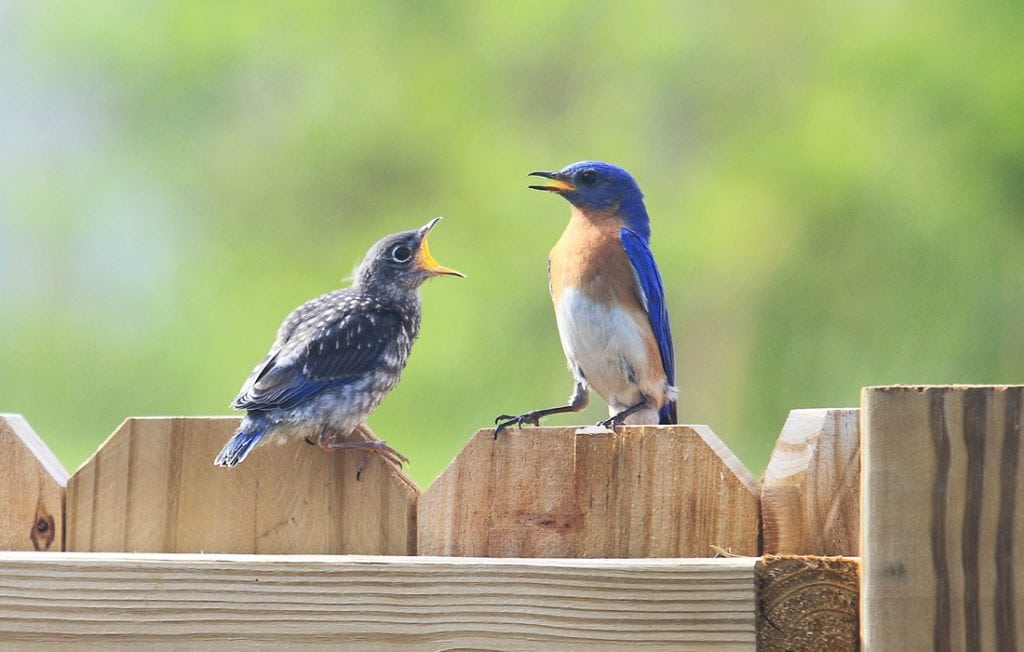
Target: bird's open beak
{"type": "Point", "coordinates": [425, 261]}
{"type": "Point", "coordinates": [558, 182]}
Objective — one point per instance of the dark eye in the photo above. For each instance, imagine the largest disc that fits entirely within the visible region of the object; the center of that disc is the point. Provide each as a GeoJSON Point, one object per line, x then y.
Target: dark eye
{"type": "Point", "coordinates": [401, 254]}
{"type": "Point", "coordinates": [586, 177]}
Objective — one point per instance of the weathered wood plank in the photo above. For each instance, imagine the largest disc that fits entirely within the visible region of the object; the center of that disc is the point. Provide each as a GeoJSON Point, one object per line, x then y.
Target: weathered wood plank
{"type": "Point", "coordinates": [806, 604]}
{"type": "Point", "coordinates": [32, 483]}
{"type": "Point", "coordinates": [152, 487]}
{"type": "Point", "coordinates": [641, 491]}
{"type": "Point", "coordinates": [810, 493]}
{"type": "Point", "coordinates": [942, 524]}
{"type": "Point", "coordinates": [399, 603]}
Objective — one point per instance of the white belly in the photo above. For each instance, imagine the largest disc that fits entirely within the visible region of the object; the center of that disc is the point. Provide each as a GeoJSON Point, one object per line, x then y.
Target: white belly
{"type": "Point", "coordinates": [606, 345]}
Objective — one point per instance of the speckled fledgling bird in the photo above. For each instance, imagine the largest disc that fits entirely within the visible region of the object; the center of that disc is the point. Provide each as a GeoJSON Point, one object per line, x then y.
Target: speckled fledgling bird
{"type": "Point", "coordinates": [336, 357]}
{"type": "Point", "coordinates": [609, 300]}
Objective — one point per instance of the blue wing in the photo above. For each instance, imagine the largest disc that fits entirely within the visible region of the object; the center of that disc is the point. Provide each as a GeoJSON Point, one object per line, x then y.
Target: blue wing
{"type": "Point", "coordinates": [642, 260]}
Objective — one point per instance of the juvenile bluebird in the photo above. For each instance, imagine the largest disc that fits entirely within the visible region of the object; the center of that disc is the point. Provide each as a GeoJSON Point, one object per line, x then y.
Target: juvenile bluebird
{"type": "Point", "coordinates": [336, 357]}
{"type": "Point", "coordinates": [609, 300]}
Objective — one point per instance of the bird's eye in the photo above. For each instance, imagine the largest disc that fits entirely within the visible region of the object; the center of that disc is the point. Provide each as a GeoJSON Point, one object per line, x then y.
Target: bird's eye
{"type": "Point", "coordinates": [586, 177]}
{"type": "Point", "coordinates": [401, 254]}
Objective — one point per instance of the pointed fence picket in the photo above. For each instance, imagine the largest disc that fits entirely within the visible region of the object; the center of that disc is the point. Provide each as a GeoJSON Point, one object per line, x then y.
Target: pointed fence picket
{"type": "Point", "coordinates": [152, 487]}
{"type": "Point", "coordinates": [32, 484]}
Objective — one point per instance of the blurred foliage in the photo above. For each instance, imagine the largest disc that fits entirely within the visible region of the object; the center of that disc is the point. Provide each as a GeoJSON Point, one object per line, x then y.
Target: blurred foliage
{"type": "Point", "coordinates": [836, 189]}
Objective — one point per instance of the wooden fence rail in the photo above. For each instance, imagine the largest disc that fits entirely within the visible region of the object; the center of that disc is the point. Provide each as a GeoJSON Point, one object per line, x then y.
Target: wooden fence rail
{"type": "Point", "coordinates": [938, 515]}
{"type": "Point", "coordinates": [394, 603]}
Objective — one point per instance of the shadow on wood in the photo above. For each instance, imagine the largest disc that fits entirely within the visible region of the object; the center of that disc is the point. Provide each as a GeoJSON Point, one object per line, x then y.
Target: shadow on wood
{"type": "Point", "coordinates": [152, 487]}
{"type": "Point", "coordinates": [32, 485]}
{"type": "Point", "coordinates": [642, 491]}
{"type": "Point", "coordinates": [806, 603]}
{"type": "Point", "coordinates": [810, 493]}
{"type": "Point", "coordinates": [942, 523]}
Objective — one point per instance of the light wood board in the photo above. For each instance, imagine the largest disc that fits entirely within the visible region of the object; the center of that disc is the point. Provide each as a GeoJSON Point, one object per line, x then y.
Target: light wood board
{"type": "Point", "coordinates": [358, 603]}
{"type": "Point", "coordinates": [642, 491]}
{"type": "Point", "coordinates": [152, 487]}
{"type": "Point", "coordinates": [31, 487]}
{"type": "Point", "coordinates": [810, 493]}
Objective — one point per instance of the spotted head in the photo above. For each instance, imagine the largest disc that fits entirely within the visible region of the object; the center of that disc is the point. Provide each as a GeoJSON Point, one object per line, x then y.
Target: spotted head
{"type": "Point", "coordinates": [401, 261]}
{"type": "Point", "coordinates": [600, 187]}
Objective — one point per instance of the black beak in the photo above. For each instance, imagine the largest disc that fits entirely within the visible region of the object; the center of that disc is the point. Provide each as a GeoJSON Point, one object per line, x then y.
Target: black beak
{"type": "Point", "coordinates": [559, 183]}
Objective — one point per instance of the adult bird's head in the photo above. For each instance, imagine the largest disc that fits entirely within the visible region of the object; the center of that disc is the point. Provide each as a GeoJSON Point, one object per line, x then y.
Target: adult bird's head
{"type": "Point", "coordinates": [596, 187]}
{"type": "Point", "coordinates": [401, 260]}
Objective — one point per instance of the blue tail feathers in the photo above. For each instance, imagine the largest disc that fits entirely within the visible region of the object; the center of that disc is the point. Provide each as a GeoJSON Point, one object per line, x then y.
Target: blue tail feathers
{"type": "Point", "coordinates": [239, 445]}
{"type": "Point", "coordinates": [667, 414]}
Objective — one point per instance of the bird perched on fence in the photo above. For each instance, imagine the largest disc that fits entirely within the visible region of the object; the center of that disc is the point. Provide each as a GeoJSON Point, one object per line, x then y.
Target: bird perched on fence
{"type": "Point", "coordinates": [337, 356]}
{"type": "Point", "coordinates": [609, 300]}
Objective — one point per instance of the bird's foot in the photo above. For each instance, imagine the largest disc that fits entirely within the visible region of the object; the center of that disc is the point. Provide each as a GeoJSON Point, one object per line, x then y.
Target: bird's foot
{"type": "Point", "coordinates": [381, 448]}
{"type": "Point", "coordinates": [505, 420]}
{"type": "Point", "coordinates": [620, 418]}
{"type": "Point", "coordinates": [611, 422]}
{"type": "Point", "coordinates": [376, 446]}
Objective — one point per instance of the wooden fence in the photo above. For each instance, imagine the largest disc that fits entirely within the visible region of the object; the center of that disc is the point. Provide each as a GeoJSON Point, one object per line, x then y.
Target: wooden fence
{"type": "Point", "coordinates": [545, 538]}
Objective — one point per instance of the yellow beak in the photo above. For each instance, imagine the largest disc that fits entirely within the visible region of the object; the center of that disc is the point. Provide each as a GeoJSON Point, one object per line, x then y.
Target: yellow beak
{"type": "Point", "coordinates": [425, 261]}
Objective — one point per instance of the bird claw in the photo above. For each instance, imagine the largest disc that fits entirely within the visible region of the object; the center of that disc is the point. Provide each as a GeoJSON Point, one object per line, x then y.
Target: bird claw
{"type": "Point", "coordinates": [390, 454]}
{"type": "Point", "coordinates": [385, 451]}
{"type": "Point", "coordinates": [505, 420]}
{"type": "Point", "coordinates": [375, 446]}
{"type": "Point", "coordinates": [611, 422]}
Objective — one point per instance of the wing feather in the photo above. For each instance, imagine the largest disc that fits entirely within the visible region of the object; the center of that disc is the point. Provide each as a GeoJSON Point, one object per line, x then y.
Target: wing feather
{"type": "Point", "coordinates": [653, 298]}
{"type": "Point", "coordinates": [318, 351]}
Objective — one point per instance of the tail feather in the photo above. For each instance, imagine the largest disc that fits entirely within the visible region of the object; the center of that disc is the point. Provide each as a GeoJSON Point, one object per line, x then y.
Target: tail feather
{"type": "Point", "coordinates": [238, 447]}
{"type": "Point", "coordinates": [667, 414]}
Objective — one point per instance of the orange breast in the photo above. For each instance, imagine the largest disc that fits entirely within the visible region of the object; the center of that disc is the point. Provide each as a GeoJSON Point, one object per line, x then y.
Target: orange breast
{"type": "Point", "coordinates": [589, 257]}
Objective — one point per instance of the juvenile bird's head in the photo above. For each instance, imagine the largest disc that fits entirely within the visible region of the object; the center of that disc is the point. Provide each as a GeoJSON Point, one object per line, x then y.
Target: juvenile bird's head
{"type": "Point", "coordinates": [401, 260]}
{"type": "Point", "coordinates": [596, 186]}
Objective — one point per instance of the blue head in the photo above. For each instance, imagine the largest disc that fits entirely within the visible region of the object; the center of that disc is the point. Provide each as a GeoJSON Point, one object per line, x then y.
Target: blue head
{"type": "Point", "coordinates": [602, 187]}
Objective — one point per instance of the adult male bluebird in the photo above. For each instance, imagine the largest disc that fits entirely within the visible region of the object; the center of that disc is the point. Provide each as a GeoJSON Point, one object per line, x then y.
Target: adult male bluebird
{"type": "Point", "coordinates": [337, 356]}
{"type": "Point", "coordinates": [609, 300]}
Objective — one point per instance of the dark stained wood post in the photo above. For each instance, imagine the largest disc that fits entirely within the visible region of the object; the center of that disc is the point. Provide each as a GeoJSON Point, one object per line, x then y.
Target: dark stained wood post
{"type": "Point", "coordinates": [942, 524]}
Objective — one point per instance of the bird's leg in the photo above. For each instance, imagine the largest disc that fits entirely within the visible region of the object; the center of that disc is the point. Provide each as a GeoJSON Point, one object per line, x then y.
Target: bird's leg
{"type": "Point", "coordinates": [330, 444]}
{"type": "Point", "coordinates": [320, 437]}
{"type": "Point", "coordinates": [617, 419]}
{"type": "Point", "coordinates": [577, 402]}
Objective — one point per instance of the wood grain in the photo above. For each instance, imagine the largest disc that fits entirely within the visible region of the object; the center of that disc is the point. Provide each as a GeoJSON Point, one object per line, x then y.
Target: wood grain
{"type": "Point", "coordinates": [642, 491]}
{"type": "Point", "coordinates": [943, 518]}
{"type": "Point", "coordinates": [810, 493]}
{"type": "Point", "coordinates": [360, 603]}
{"type": "Point", "coordinates": [152, 487]}
{"type": "Point", "coordinates": [32, 483]}
{"type": "Point", "coordinates": [807, 604]}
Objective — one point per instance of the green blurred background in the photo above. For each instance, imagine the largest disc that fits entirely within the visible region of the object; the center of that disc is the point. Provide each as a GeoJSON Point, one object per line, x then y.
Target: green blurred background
{"type": "Point", "coordinates": [837, 196]}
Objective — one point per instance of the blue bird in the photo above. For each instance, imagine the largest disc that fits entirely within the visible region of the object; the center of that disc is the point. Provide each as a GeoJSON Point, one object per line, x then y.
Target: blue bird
{"type": "Point", "coordinates": [337, 356]}
{"type": "Point", "coordinates": [609, 300]}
